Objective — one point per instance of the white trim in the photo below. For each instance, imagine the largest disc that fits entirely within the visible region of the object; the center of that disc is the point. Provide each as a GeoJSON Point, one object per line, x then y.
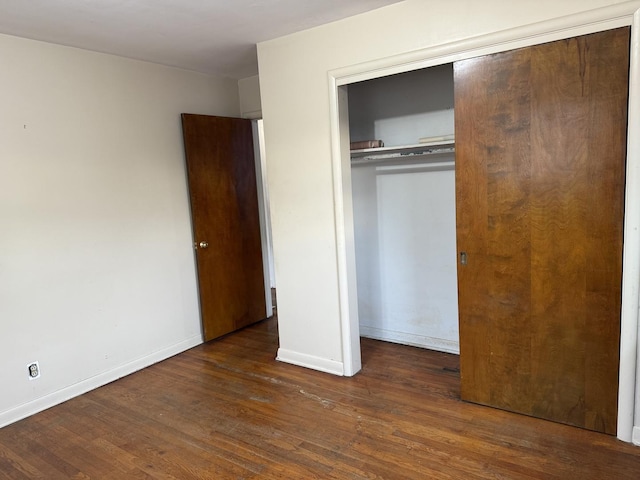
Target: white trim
{"type": "Point", "coordinates": [629, 389]}
{"type": "Point", "coordinates": [253, 115]}
{"type": "Point", "coordinates": [413, 339]}
{"type": "Point", "coordinates": [345, 245]}
{"type": "Point", "coordinates": [263, 212]}
{"type": "Point", "coordinates": [623, 14]}
{"type": "Point", "coordinates": [309, 361]}
{"type": "Point", "coordinates": [267, 204]}
{"type": "Point", "coordinates": [533, 34]}
{"type": "Point", "coordinates": [30, 408]}
{"type": "Point", "coordinates": [635, 439]}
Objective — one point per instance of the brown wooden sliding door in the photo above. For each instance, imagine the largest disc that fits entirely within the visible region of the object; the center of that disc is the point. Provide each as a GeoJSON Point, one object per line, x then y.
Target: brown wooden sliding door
{"type": "Point", "coordinates": [226, 225]}
{"type": "Point", "coordinates": [540, 162]}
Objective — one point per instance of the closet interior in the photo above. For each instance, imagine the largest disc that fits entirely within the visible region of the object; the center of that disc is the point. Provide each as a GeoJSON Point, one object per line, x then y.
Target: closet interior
{"type": "Point", "coordinates": [403, 192]}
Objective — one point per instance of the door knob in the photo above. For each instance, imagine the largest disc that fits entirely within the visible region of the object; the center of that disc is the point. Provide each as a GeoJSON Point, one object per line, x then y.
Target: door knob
{"type": "Point", "coordinates": [203, 244]}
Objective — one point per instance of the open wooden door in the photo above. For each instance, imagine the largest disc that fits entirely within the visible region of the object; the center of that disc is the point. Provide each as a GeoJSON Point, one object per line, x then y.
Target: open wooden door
{"type": "Point", "coordinates": [540, 165]}
{"type": "Point", "coordinates": [226, 226]}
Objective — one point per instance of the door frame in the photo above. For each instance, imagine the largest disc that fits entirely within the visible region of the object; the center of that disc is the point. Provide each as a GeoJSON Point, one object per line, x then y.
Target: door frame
{"type": "Point", "coordinates": [623, 14]}
{"type": "Point", "coordinates": [264, 212]}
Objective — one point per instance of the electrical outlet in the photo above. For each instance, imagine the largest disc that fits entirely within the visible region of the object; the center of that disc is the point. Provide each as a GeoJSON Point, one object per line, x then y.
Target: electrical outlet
{"type": "Point", "coordinates": [34, 370]}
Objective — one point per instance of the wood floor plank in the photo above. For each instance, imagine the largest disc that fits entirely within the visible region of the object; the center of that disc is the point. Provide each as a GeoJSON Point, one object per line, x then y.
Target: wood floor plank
{"type": "Point", "coordinates": [228, 410]}
{"type": "Point", "coordinates": [16, 467]}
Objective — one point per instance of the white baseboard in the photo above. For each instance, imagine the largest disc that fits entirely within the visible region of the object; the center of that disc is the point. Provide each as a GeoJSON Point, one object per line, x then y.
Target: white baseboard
{"type": "Point", "coordinates": [439, 344]}
{"type": "Point", "coordinates": [310, 361]}
{"type": "Point", "coordinates": [635, 438]}
{"type": "Point", "coordinates": [42, 403]}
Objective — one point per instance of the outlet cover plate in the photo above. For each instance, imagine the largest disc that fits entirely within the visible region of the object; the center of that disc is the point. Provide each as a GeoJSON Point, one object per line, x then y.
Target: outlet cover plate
{"type": "Point", "coordinates": [33, 370]}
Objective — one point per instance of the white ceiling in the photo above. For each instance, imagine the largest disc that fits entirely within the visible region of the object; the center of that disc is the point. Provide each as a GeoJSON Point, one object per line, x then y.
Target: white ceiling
{"type": "Point", "coordinates": [210, 36]}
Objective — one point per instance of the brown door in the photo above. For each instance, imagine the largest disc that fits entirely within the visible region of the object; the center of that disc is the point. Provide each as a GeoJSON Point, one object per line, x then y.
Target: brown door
{"type": "Point", "coordinates": [540, 163]}
{"type": "Point", "coordinates": [226, 227]}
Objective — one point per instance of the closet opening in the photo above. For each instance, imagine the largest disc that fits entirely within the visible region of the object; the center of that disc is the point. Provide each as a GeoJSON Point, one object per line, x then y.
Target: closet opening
{"type": "Point", "coordinates": [401, 129]}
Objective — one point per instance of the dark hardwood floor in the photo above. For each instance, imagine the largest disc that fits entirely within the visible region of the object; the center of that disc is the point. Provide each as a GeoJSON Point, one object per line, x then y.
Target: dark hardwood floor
{"type": "Point", "coordinates": [228, 410]}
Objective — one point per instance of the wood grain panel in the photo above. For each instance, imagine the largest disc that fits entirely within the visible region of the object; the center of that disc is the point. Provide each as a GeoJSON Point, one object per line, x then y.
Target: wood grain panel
{"type": "Point", "coordinates": [224, 209]}
{"type": "Point", "coordinates": [540, 154]}
{"type": "Point", "coordinates": [499, 187]}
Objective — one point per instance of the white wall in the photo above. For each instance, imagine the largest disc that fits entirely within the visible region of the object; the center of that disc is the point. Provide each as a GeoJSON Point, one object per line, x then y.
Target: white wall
{"type": "Point", "coordinates": [296, 109]}
{"type": "Point", "coordinates": [250, 103]}
{"type": "Point", "coordinates": [405, 240]}
{"type": "Point", "coordinates": [401, 109]}
{"type": "Point", "coordinates": [97, 274]}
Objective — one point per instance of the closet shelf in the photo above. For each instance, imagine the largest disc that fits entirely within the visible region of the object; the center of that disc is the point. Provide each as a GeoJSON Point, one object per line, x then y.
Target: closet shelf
{"type": "Point", "coordinates": [420, 152]}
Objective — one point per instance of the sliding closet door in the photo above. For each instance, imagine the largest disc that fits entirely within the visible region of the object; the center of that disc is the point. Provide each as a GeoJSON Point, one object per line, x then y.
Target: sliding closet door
{"type": "Point", "coordinates": [540, 161]}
